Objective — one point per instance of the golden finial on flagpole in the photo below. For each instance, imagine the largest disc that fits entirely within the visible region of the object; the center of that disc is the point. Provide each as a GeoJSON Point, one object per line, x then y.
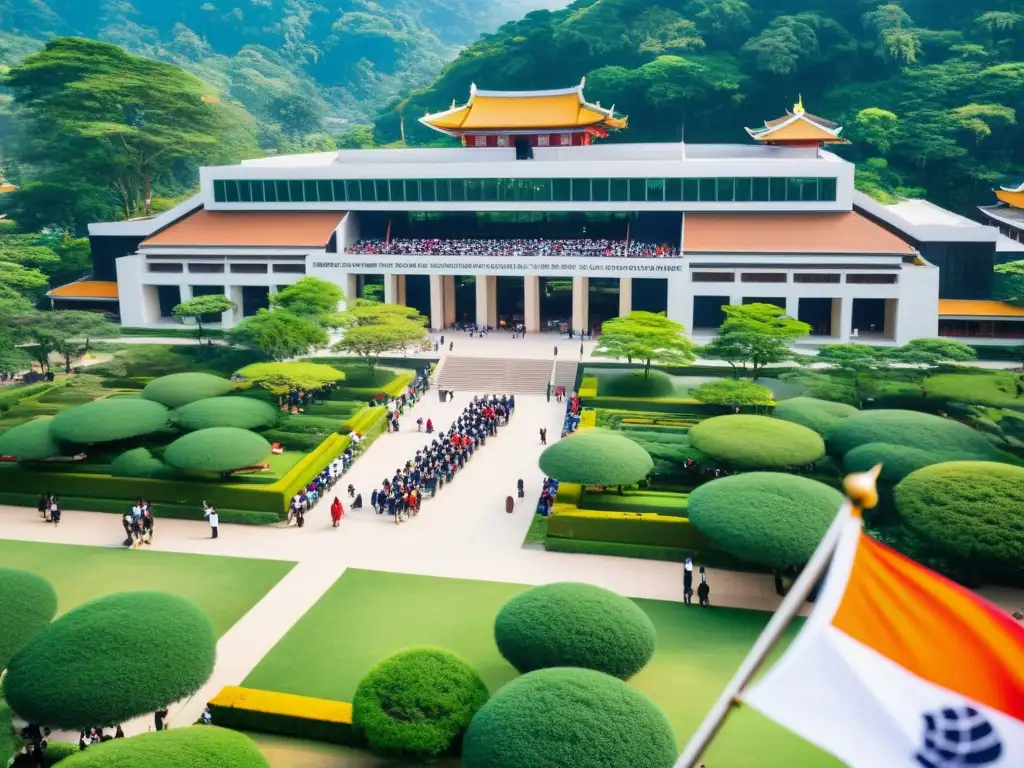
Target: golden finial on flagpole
{"type": "Point", "coordinates": [862, 488]}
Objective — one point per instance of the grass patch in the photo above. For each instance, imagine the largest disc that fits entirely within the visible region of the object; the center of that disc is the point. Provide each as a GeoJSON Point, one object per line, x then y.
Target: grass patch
{"type": "Point", "coordinates": [226, 588]}
{"type": "Point", "coordinates": [995, 388]}
{"type": "Point", "coordinates": [658, 502]}
{"type": "Point", "coordinates": [538, 531]}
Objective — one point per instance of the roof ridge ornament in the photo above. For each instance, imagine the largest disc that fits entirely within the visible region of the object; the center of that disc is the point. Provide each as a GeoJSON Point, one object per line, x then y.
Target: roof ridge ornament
{"type": "Point", "coordinates": [798, 108]}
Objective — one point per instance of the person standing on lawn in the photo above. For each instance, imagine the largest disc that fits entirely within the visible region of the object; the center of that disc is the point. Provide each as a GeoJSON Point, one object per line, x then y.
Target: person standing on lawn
{"type": "Point", "coordinates": [210, 513]}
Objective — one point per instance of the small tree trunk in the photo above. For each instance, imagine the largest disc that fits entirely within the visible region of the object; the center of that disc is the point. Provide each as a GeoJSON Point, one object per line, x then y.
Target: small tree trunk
{"type": "Point", "coordinates": [647, 368]}
{"type": "Point", "coordinates": [199, 328]}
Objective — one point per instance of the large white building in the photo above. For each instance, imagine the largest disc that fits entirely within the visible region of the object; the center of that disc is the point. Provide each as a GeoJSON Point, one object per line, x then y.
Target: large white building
{"type": "Point", "coordinates": [775, 221]}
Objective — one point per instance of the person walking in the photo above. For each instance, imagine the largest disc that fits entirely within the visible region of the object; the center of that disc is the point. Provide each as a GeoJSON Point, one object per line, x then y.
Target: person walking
{"type": "Point", "coordinates": [543, 436]}
{"type": "Point", "coordinates": [688, 581]}
{"type": "Point", "coordinates": [703, 590]}
{"type": "Point", "coordinates": [581, 350]}
{"type": "Point", "coordinates": [160, 717]}
{"type": "Point", "coordinates": [336, 511]}
{"type": "Point", "coordinates": [210, 513]}
{"type": "Point", "coordinates": [520, 488]}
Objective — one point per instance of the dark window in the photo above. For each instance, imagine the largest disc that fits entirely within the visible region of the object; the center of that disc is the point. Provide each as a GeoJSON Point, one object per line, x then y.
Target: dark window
{"type": "Point", "coordinates": [801, 277]}
{"type": "Point", "coordinates": [726, 190]}
{"type": "Point", "coordinates": [713, 277]}
{"type": "Point", "coordinates": [397, 193]}
{"type": "Point", "coordinates": [166, 267]}
{"type": "Point", "coordinates": [427, 190]}
{"type": "Point", "coordinates": [338, 191]}
{"type": "Point", "coordinates": [777, 191]}
{"type": "Point", "coordinates": [763, 277]}
{"type": "Point", "coordinates": [561, 190]}
{"type": "Point", "coordinates": [249, 269]}
{"type": "Point", "coordinates": [366, 191]}
{"type": "Point", "coordinates": [827, 189]}
{"type": "Point", "coordinates": [600, 190]}
{"type": "Point", "coordinates": [205, 268]}
{"type": "Point", "coordinates": [458, 188]}
{"type": "Point", "coordinates": [761, 190]}
{"type": "Point", "coordinates": [708, 190]}
{"type": "Point", "coordinates": [620, 190]}
{"type": "Point", "coordinates": [353, 191]}
{"type": "Point", "coordinates": [168, 297]}
{"type": "Point", "coordinates": [744, 191]}
{"type": "Point", "coordinates": [383, 195]}
{"type": "Point", "coordinates": [637, 190]}
{"type": "Point", "coordinates": [489, 188]}
{"type": "Point", "coordinates": [231, 191]}
{"type": "Point", "coordinates": [220, 194]}
{"type": "Point", "coordinates": [295, 192]}
{"type": "Point", "coordinates": [270, 191]}
{"type": "Point", "coordinates": [443, 189]}
{"type": "Point", "coordinates": [244, 191]}
{"type": "Point", "coordinates": [541, 190]}
{"type": "Point", "coordinates": [691, 190]}
{"type": "Point", "coordinates": [284, 190]}
{"type": "Point", "coordinates": [309, 191]}
{"type": "Point", "coordinates": [474, 190]}
{"type": "Point", "coordinates": [412, 190]}
{"type": "Point", "coordinates": [325, 191]}
{"type": "Point", "coordinates": [871, 279]}
{"type": "Point", "coordinates": [297, 269]}
{"type": "Point", "coordinates": [581, 190]}
{"type": "Point", "coordinates": [673, 190]}
{"type": "Point", "coordinates": [655, 190]}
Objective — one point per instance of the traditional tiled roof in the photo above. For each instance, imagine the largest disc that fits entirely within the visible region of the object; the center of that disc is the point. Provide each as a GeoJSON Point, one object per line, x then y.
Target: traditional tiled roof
{"type": "Point", "coordinates": [86, 290]}
{"type": "Point", "coordinates": [249, 229]}
{"type": "Point", "coordinates": [966, 308]}
{"type": "Point", "coordinates": [798, 127]}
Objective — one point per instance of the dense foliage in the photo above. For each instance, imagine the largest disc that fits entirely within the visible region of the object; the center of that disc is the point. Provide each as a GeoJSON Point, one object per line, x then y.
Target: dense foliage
{"type": "Point", "coordinates": [30, 441]}
{"type": "Point", "coordinates": [198, 746]}
{"type": "Point", "coordinates": [140, 462]}
{"type": "Point", "coordinates": [178, 389]}
{"type": "Point", "coordinates": [217, 449]}
{"type": "Point", "coordinates": [898, 461]}
{"type": "Point", "coordinates": [819, 415]}
{"type": "Point", "coordinates": [560, 717]}
{"type": "Point", "coordinates": [112, 659]}
{"type": "Point", "coordinates": [240, 412]}
{"type": "Point", "coordinates": [637, 384]}
{"type": "Point", "coordinates": [970, 511]}
{"type": "Point", "coordinates": [757, 442]}
{"type": "Point", "coordinates": [733, 392]}
{"type": "Point", "coordinates": [908, 428]}
{"type": "Point", "coordinates": [765, 517]}
{"type": "Point", "coordinates": [647, 337]}
{"type": "Point", "coordinates": [596, 457]}
{"type": "Point", "coordinates": [417, 702]}
{"type": "Point", "coordinates": [104, 421]}
{"type": "Point", "coordinates": [27, 604]}
{"type": "Point", "coordinates": [575, 625]}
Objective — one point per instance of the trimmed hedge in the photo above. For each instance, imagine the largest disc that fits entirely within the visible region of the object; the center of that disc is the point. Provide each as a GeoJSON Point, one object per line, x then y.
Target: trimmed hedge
{"type": "Point", "coordinates": [757, 442]}
{"type": "Point", "coordinates": [417, 702]}
{"type": "Point", "coordinates": [30, 441]}
{"type": "Point", "coordinates": [59, 750]}
{"type": "Point", "coordinates": [10, 742]}
{"type": "Point", "coordinates": [708, 557]}
{"type": "Point", "coordinates": [575, 625]}
{"type": "Point", "coordinates": [819, 415]}
{"type": "Point", "coordinates": [179, 389]}
{"type": "Point", "coordinates": [171, 512]}
{"type": "Point", "coordinates": [909, 428]}
{"type": "Point", "coordinates": [13, 394]}
{"type": "Point", "coordinates": [588, 387]}
{"type": "Point", "coordinates": [239, 412]}
{"type": "Point", "coordinates": [596, 457]}
{"type": "Point", "coordinates": [625, 528]}
{"type": "Point", "coordinates": [218, 449]}
{"type": "Point", "coordinates": [995, 388]}
{"type": "Point", "coordinates": [897, 461]}
{"type": "Point", "coordinates": [769, 518]}
{"type": "Point", "coordinates": [198, 746]}
{"type": "Point", "coordinates": [139, 462]}
{"type": "Point", "coordinates": [644, 502]}
{"type": "Point", "coordinates": [569, 717]}
{"type": "Point", "coordinates": [635, 384]}
{"type": "Point", "coordinates": [283, 714]}
{"type": "Point", "coordinates": [104, 421]}
{"type": "Point", "coordinates": [28, 604]}
{"type": "Point", "coordinates": [970, 511]}
{"type": "Point", "coordinates": [112, 659]}
{"type": "Point", "coordinates": [681, 406]}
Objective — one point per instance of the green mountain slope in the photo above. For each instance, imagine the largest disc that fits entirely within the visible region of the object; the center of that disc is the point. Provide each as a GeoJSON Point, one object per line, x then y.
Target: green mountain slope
{"type": "Point", "coordinates": [928, 90]}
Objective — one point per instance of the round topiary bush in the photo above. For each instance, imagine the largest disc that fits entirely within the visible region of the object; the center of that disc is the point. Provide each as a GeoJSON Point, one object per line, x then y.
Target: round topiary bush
{"type": "Point", "coordinates": [819, 415]}
{"type": "Point", "coordinates": [560, 717]}
{"type": "Point", "coordinates": [239, 412]}
{"type": "Point", "coordinates": [635, 384]}
{"type": "Point", "coordinates": [139, 462]}
{"type": "Point", "coordinates": [575, 625]}
{"type": "Point", "coordinates": [104, 421]}
{"type": "Point", "coordinates": [30, 441]}
{"type": "Point", "coordinates": [27, 604]}
{"type": "Point", "coordinates": [198, 746]}
{"type": "Point", "coordinates": [897, 461]}
{"type": "Point", "coordinates": [765, 517]}
{"type": "Point", "coordinates": [179, 389]}
{"type": "Point", "coordinates": [596, 457]}
{"type": "Point", "coordinates": [970, 511]}
{"type": "Point", "coordinates": [909, 428]}
{"type": "Point", "coordinates": [219, 449]}
{"type": "Point", "coordinates": [417, 702]}
{"type": "Point", "coordinates": [59, 750]}
{"type": "Point", "coordinates": [757, 442]}
{"type": "Point", "coordinates": [112, 659]}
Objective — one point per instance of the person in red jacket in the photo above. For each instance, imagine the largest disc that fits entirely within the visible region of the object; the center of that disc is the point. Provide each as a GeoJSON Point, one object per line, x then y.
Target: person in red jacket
{"type": "Point", "coordinates": [337, 511]}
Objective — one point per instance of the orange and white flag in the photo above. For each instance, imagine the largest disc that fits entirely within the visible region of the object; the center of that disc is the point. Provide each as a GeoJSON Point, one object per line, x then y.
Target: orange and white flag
{"type": "Point", "coordinates": [898, 667]}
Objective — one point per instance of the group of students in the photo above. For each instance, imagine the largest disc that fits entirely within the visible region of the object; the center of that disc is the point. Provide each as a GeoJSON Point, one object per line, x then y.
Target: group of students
{"type": "Point", "coordinates": [515, 247]}
{"type": "Point", "coordinates": [49, 507]}
{"type": "Point", "coordinates": [438, 462]}
{"type": "Point", "coordinates": [305, 498]}
{"type": "Point", "coordinates": [138, 524]}
{"type": "Point", "coordinates": [703, 590]}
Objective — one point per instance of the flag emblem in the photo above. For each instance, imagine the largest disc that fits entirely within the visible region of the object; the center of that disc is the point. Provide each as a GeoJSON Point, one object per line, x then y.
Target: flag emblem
{"type": "Point", "coordinates": [957, 737]}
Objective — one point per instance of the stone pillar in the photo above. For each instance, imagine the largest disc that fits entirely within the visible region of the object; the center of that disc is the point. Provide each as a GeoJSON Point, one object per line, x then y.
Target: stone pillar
{"type": "Point", "coordinates": [842, 319]}
{"type": "Point", "coordinates": [492, 301]}
{"type": "Point", "coordinates": [351, 289]}
{"type": "Point", "coordinates": [437, 302]}
{"type": "Point", "coordinates": [580, 304]}
{"type": "Point", "coordinates": [401, 290]}
{"type": "Point", "coordinates": [449, 299]}
{"type": "Point", "coordinates": [531, 303]}
{"type": "Point", "coordinates": [892, 308]}
{"type": "Point", "coordinates": [483, 296]}
{"type": "Point", "coordinates": [234, 315]}
{"type": "Point", "coordinates": [390, 289]}
{"type": "Point", "coordinates": [793, 307]}
{"type": "Point", "coordinates": [625, 296]}
{"type": "Point", "coordinates": [679, 300]}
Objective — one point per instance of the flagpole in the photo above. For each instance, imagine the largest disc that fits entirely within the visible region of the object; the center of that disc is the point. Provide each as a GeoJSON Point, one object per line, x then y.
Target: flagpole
{"type": "Point", "coordinates": [861, 494]}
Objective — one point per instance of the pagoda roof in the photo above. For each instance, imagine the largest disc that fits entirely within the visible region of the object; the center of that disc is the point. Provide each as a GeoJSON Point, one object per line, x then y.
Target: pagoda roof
{"type": "Point", "coordinates": [563, 108]}
{"type": "Point", "coordinates": [798, 127]}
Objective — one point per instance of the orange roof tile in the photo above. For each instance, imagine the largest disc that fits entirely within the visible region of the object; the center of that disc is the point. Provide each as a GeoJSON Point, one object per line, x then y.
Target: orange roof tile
{"type": "Point", "coordinates": [86, 289]}
{"type": "Point", "coordinates": [251, 229]}
{"type": "Point", "coordinates": [788, 233]}
{"type": "Point", "coordinates": [967, 308]}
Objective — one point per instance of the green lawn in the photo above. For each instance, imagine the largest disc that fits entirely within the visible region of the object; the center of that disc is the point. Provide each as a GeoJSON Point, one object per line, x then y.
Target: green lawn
{"type": "Point", "coordinates": [368, 615]}
{"type": "Point", "coordinates": [657, 502]}
{"type": "Point", "coordinates": [225, 587]}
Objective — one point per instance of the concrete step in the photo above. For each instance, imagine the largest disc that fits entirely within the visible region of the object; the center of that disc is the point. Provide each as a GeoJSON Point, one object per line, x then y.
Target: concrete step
{"type": "Point", "coordinates": [565, 374]}
{"type": "Point", "coordinates": [479, 375]}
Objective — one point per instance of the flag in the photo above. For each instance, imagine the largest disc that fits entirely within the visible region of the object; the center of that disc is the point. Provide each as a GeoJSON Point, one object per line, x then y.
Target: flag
{"type": "Point", "coordinates": [898, 667]}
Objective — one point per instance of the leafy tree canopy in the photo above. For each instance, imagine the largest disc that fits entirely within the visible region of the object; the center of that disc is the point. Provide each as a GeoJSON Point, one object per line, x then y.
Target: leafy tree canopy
{"type": "Point", "coordinates": [201, 308]}
{"type": "Point", "coordinates": [932, 353]}
{"type": "Point", "coordinates": [372, 328]}
{"type": "Point", "coordinates": [756, 335]}
{"type": "Point", "coordinates": [733, 392]}
{"type": "Point", "coordinates": [278, 378]}
{"type": "Point", "coordinates": [646, 336]}
{"type": "Point", "coordinates": [309, 298]}
{"type": "Point", "coordinates": [279, 334]}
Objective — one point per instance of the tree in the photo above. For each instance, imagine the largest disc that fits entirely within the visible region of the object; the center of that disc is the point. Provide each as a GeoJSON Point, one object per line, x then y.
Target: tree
{"type": "Point", "coordinates": [279, 334]}
{"type": "Point", "coordinates": [646, 336]}
{"type": "Point", "coordinates": [309, 298]}
{"type": "Point", "coordinates": [755, 334]}
{"type": "Point", "coordinates": [733, 392]}
{"type": "Point", "coordinates": [279, 378]}
{"type": "Point", "coordinates": [856, 360]}
{"type": "Point", "coordinates": [878, 127]}
{"type": "Point", "coordinates": [934, 353]}
{"type": "Point", "coordinates": [1010, 282]}
{"type": "Point", "coordinates": [371, 329]}
{"type": "Point", "coordinates": [70, 332]}
{"type": "Point", "coordinates": [26, 281]}
{"type": "Point", "coordinates": [199, 307]}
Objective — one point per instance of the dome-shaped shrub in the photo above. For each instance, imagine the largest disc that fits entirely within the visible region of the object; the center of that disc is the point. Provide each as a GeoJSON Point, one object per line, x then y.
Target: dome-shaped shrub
{"type": "Point", "coordinates": [112, 659]}
{"type": "Point", "coordinates": [30, 441]}
{"type": "Point", "coordinates": [417, 702]}
{"type": "Point", "coordinates": [819, 415]}
{"type": "Point", "coordinates": [596, 457]}
{"type": "Point", "coordinates": [219, 449]}
{"type": "Point", "coordinates": [139, 462]}
{"type": "Point", "coordinates": [553, 718]}
{"type": "Point", "coordinates": [240, 412]}
{"type": "Point", "coordinates": [757, 442]}
{"type": "Point", "coordinates": [971, 511]}
{"type": "Point", "coordinates": [104, 421]}
{"type": "Point", "coordinates": [179, 389]}
{"type": "Point", "coordinates": [27, 604]}
{"type": "Point", "coordinates": [198, 746]}
{"type": "Point", "coordinates": [765, 517]}
{"type": "Point", "coordinates": [575, 625]}
{"type": "Point", "coordinates": [898, 461]}
{"type": "Point", "coordinates": [909, 428]}
{"type": "Point", "coordinates": [635, 384]}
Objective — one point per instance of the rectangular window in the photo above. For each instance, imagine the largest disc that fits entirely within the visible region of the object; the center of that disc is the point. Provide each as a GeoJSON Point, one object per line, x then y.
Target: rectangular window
{"type": "Point", "coordinates": [309, 191]}
{"type": "Point", "coordinates": [205, 268]}
{"type": "Point", "coordinates": [458, 187]}
{"type": "Point", "coordinates": [805, 277]}
{"type": "Point", "coordinates": [324, 191]}
{"type": "Point", "coordinates": [708, 190]}
{"type": "Point", "coordinates": [673, 190]}
{"type": "Point", "coordinates": [503, 141]}
{"type": "Point", "coordinates": [443, 189]}
{"type": "Point", "coordinates": [544, 140]}
{"type": "Point", "coordinates": [655, 190]}
{"type": "Point", "coordinates": [763, 277]}
{"type": "Point", "coordinates": [367, 191]}
{"type": "Point", "coordinates": [691, 190]}
{"type": "Point", "coordinates": [397, 193]}
{"type": "Point", "coordinates": [270, 190]}
{"type": "Point", "coordinates": [827, 189]}
{"type": "Point", "coordinates": [761, 190]}
{"type": "Point", "coordinates": [542, 190]}
{"type": "Point", "coordinates": [295, 269]}
{"type": "Point", "coordinates": [508, 189]}
{"type": "Point", "coordinates": [777, 190]}
{"type": "Point", "coordinates": [871, 279]}
{"type": "Point", "coordinates": [427, 190]}
{"type": "Point", "coordinates": [713, 277]}
{"type": "Point", "coordinates": [283, 191]}
{"type": "Point", "coordinates": [638, 190]}
{"type": "Point", "coordinates": [295, 190]}
{"type": "Point", "coordinates": [726, 190]}
{"type": "Point", "coordinates": [620, 190]}
{"type": "Point", "coordinates": [796, 188]}
{"type": "Point", "coordinates": [561, 190]}
{"type": "Point", "coordinates": [741, 190]}
{"type": "Point", "coordinates": [412, 190]}
{"type": "Point", "coordinates": [256, 187]}
{"type": "Point", "coordinates": [581, 190]}
{"type": "Point", "coordinates": [490, 189]}
{"type": "Point", "coordinates": [244, 191]}
{"type": "Point", "coordinates": [231, 191]}
{"type": "Point", "coordinates": [249, 269]}
{"type": "Point", "coordinates": [381, 191]}
{"type": "Point", "coordinates": [220, 194]}
{"type": "Point", "coordinates": [565, 139]}
{"type": "Point", "coordinates": [474, 190]}
{"type": "Point", "coordinates": [479, 141]}
{"type": "Point", "coordinates": [338, 191]}
{"type": "Point", "coordinates": [166, 267]}
{"type": "Point", "coordinates": [599, 190]}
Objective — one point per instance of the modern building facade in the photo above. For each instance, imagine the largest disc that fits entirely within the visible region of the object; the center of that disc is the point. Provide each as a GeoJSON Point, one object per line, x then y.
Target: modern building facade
{"type": "Point", "coordinates": [527, 227]}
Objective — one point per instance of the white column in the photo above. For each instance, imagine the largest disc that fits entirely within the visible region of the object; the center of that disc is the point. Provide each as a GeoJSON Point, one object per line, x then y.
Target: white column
{"type": "Point", "coordinates": [436, 302]}
{"type": "Point", "coordinates": [892, 310]}
{"type": "Point", "coordinates": [449, 299]}
{"type": "Point", "coordinates": [401, 290]}
{"type": "Point", "coordinates": [234, 315]}
{"type": "Point", "coordinates": [625, 296]}
{"type": "Point", "coordinates": [679, 300]}
{"type": "Point", "coordinates": [351, 287]}
{"type": "Point", "coordinates": [846, 319]}
{"type": "Point", "coordinates": [492, 301]}
{"type": "Point", "coordinates": [390, 289]}
{"type": "Point", "coordinates": [736, 300]}
{"type": "Point", "coordinates": [483, 296]}
{"type": "Point", "coordinates": [531, 303]}
{"type": "Point", "coordinates": [793, 307]}
{"type": "Point", "coordinates": [580, 304]}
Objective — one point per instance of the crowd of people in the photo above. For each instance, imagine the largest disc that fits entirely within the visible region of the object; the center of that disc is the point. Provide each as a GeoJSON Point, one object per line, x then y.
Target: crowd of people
{"type": "Point", "coordinates": [306, 497]}
{"type": "Point", "coordinates": [529, 246]}
{"type": "Point", "coordinates": [138, 524]}
{"type": "Point", "coordinates": [49, 507]}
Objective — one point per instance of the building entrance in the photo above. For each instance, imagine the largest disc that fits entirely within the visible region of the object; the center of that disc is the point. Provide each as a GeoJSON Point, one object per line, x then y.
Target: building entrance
{"type": "Point", "coordinates": [555, 303]}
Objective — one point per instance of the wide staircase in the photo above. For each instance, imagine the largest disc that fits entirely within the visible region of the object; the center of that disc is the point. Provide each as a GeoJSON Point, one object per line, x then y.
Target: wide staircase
{"type": "Point", "coordinates": [565, 374]}
{"type": "Point", "coordinates": [481, 375]}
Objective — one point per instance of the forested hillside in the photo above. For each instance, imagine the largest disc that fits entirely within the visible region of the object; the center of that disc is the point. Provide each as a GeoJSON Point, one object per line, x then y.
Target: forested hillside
{"type": "Point", "coordinates": [928, 90]}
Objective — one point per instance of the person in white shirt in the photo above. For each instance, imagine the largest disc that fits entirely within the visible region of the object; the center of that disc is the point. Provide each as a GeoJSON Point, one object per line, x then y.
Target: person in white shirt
{"type": "Point", "coordinates": [211, 514]}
